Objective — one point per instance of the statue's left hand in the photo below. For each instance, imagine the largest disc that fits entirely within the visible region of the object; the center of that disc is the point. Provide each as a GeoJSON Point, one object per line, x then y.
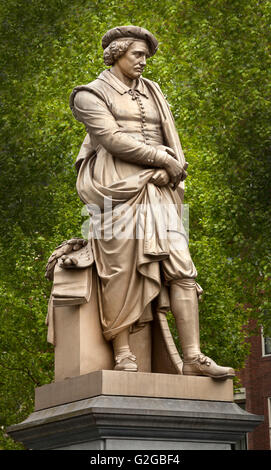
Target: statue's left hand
{"type": "Point", "coordinates": [160, 177]}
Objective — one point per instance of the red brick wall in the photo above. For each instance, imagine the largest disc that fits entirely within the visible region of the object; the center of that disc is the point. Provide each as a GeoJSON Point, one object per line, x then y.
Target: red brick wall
{"type": "Point", "coordinates": [256, 378]}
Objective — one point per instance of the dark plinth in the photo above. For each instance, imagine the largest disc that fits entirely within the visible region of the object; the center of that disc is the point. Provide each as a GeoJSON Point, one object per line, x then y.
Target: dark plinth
{"type": "Point", "coordinates": [122, 421]}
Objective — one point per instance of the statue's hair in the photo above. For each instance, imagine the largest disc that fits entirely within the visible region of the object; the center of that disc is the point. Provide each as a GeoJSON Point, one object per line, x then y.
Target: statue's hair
{"type": "Point", "coordinates": [116, 49]}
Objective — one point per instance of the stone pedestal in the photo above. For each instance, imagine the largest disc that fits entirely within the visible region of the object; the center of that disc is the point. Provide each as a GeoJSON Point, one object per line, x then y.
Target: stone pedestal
{"type": "Point", "coordinates": [135, 411]}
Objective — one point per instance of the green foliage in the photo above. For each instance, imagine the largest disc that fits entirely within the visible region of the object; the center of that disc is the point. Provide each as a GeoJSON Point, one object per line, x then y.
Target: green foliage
{"type": "Point", "coordinates": [213, 65]}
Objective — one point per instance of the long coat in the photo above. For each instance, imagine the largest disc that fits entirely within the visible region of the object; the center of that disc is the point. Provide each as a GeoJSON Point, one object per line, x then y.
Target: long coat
{"type": "Point", "coordinates": [129, 268]}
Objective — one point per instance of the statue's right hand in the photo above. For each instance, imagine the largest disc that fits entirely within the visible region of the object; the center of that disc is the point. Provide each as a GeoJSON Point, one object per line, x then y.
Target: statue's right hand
{"type": "Point", "coordinates": [176, 171]}
{"type": "Point", "coordinates": [172, 166]}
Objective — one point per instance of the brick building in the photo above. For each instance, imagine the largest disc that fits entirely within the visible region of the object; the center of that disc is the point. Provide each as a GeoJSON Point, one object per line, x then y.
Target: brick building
{"type": "Point", "coordinates": [255, 394]}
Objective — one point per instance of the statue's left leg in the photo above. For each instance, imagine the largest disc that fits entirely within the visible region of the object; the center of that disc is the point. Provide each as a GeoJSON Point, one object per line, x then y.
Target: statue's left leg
{"type": "Point", "coordinates": [184, 306]}
{"type": "Point", "coordinates": [124, 358]}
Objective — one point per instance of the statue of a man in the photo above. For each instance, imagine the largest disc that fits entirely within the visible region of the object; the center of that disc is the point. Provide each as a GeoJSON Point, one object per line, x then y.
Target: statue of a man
{"type": "Point", "coordinates": [132, 158]}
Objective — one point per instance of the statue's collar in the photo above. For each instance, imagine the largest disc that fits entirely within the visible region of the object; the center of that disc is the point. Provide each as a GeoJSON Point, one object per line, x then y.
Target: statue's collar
{"type": "Point", "coordinates": [119, 86]}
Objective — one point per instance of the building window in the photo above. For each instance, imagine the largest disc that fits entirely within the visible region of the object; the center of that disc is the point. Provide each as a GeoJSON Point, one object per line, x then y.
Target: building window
{"type": "Point", "coordinates": [266, 345]}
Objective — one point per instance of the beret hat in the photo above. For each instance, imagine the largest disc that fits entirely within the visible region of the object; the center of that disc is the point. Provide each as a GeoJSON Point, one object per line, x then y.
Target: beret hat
{"type": "Point", "coordinates": [130, 32]}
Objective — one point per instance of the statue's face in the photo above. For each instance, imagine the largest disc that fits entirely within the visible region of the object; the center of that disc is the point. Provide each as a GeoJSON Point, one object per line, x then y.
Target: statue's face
{"type": "Point", "coordinates": [132, 63]}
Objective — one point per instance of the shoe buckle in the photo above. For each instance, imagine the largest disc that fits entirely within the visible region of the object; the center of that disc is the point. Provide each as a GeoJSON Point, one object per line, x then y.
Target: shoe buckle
{"type": "Point", "coordinates": [204, 360]}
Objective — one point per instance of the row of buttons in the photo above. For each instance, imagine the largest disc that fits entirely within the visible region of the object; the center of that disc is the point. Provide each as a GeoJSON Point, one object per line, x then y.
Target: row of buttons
{"type": "Point", "coordinates": [136, 96]}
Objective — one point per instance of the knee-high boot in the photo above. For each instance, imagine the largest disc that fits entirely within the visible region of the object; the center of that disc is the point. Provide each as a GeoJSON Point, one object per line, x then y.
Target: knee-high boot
{"type": "Point", "coordinates": [184, 305]}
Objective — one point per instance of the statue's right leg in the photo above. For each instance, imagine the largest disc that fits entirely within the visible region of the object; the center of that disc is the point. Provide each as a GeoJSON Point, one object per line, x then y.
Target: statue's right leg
{"type": "Point", "coordinates": [180, 273]}
{"type": "Point", "coordinates": [184, 306]}
{"type": "Point", "coordinates": [124, 358]}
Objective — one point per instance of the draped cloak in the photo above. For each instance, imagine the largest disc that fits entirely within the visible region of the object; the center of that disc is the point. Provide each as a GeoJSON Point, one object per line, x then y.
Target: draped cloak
{"type": "Point", "coordinates": [132, 270]}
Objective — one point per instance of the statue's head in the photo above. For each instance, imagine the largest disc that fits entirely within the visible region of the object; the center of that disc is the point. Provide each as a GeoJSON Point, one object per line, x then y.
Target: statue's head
{"type": "Point", "coordinates": [117, 41]}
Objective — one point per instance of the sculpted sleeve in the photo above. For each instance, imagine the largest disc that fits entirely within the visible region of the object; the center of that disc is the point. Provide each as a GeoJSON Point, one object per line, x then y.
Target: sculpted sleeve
{"type": "Point", "coordinates": [101, 124]}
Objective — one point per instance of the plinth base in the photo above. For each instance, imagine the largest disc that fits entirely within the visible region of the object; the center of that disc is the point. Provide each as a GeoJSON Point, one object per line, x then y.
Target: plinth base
{"type": "Point", "coordinates": [137, 384]}
{"type": "Point", "coordinates": [95, 415]}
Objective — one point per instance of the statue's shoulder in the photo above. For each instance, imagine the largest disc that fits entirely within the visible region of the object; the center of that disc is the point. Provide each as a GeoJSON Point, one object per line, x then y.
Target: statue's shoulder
{"type": "Point", "coordinates": [151, 83]}
{"type": "Point", "coordinates": [153, 86]}
{"type": "Point", "coordinates": [93, 86]}
{"type": "Point", "coordinates": [96, 87]}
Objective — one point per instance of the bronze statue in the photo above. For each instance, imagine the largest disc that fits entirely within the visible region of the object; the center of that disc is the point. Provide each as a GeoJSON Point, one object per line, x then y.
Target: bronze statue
{"type": "Point", "coordinates": [132, 157]}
